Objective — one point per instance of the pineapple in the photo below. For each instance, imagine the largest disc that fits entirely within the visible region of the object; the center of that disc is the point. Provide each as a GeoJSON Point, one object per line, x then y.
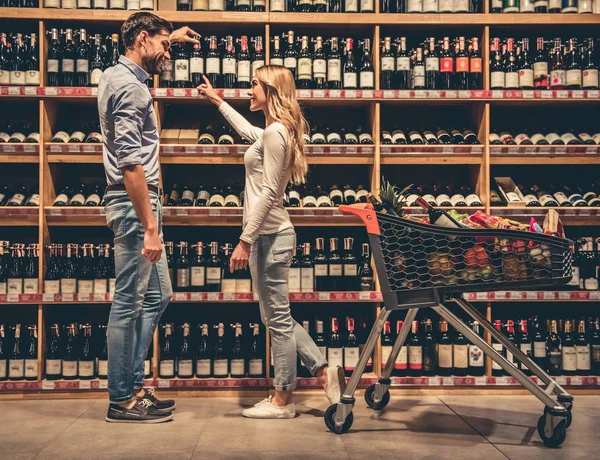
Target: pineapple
{"type": "Point", "coordinates": [392, 198]}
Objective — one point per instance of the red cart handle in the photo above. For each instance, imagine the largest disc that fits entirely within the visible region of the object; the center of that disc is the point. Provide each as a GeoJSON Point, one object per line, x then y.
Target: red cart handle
{"type": "Point", "coordinates": [366, 213]}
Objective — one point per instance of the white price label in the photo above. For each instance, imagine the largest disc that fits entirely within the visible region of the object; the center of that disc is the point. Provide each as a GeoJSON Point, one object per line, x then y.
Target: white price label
{"type": "Point", "coordinates": [304, 93]}
{"type": "Point", "coordinates": [464, 94]}
{"type": "Point", "coordinates": [48, 297]}
{"type": "Point", "coordinates": [318, 93]}
{"type": "Point", "coordinates": [30, 91]}
{"type": "Point", "coordinates": [324, 296]}
{"type": "Point", "coordinates": [367, 94]}
{"type": "Point", "coordinates": [593, 94]}
{"type": "Point", "coordinates": [528, 94]}
{"type": "Point", "coordinates": [179, 92]}
{"type": "Point", "coordinates": [48, 385]}
{"type": "Point", "coordinates": [196, 297]}
{"type": "Point", "coordinates": [160, 92]}
{"type": "Point", "coordinates": [496, 94]}
{"type": "Point", "coordinates": [84, 385]}
{"type": "Point", "coordinates": [562, 94]}
{"type": "Point", "coordinates": [578, 94]}
{"type": "Point", "coordinates": [163, 383]}
{"type": "Point", "coordinates": [51, 91]}
{"type": "Point", "coordinates": [388, 94]}
{"type": "Point", "coordinates": [213, 296]}
{"type": "Point", "coordinates": [228, 296]}
{"type": "Point", "coordinates": [350, 94]}
{"type": "Point", "coordinates": [335, 93]}
{"type": "Point", "coordinates": [451, 94]}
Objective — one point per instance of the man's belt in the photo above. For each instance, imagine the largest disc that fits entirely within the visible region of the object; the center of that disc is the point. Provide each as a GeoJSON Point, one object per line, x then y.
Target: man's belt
{"type": "Point", "coordinates": [121, 188]}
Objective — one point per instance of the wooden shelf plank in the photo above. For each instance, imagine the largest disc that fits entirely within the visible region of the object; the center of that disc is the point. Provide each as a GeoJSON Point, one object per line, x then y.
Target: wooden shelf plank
{"type": "Point", "coordinates": [19, 216]}
{"type": "Point", "coordinates": [533, 296]}
{"type": "Point", "coordinates": [19, 153]}
{"type": "Point", "coordinates": [544, 159]}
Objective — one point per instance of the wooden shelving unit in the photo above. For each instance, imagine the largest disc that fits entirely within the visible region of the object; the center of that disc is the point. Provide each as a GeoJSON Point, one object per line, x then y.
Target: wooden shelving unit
{"type": "Point", "coordinates": [482, 105]}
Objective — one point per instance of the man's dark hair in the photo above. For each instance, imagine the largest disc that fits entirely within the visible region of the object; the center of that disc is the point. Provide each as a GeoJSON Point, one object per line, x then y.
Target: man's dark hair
{"type": "Point", "coordinates": [142, 21]}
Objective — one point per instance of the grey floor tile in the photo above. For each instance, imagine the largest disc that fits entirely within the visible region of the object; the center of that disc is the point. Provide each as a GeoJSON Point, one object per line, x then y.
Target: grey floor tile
{"type": "Point", "coordinates": [17, 455]}
{"type": "Point", "coordinates": [227, 454]}
{"type": "Point", "coordinates": [62, 410]}
{"type": "Point", "coordinates": [430, 451]}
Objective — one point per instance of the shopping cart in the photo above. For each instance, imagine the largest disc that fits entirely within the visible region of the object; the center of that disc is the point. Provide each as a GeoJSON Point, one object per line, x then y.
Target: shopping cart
{"type": "Point", "coordinates": [420, 265]}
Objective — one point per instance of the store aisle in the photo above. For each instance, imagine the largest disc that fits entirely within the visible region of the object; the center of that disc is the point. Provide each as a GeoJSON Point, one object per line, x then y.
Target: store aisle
{"type": "Point", "coordinates": [428, 427]}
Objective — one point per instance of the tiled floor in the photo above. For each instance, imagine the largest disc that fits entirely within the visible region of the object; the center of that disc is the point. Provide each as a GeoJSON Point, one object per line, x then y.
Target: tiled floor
{"type": "Point", "coordinates": [428, 427]}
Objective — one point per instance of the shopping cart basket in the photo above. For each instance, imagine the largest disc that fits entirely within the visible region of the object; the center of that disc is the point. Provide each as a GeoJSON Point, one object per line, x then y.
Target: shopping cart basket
{"type": "Point", "coordinates": [420, 265]}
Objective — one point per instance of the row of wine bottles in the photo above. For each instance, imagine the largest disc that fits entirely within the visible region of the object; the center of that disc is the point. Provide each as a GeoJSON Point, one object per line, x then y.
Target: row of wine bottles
{"type": "Point", "coordinates": [554, 67]}
{"type": "Point", "coordinates": [19, 268]}
{"type": "Point", "coordinates": [441, 352]}
{"type": "Point", "coordinates": [21, 195]}
{"type": "Point", "coordinates": [544, 6]}
{"type": "Point", "coordinates": [586, 264]}
{"type": "Point", "coordinates": [82, 4]}
{"type": "Point", "coordinates": [445, 64]}
{"type": "Point", "coordinates": [510, 137]}
{"type": "Point", "coordinates": [431, 137]}
{"type": "Point", "coordinates": [19, 59]}
{"type": "Point", "coordinates": [507, 191]}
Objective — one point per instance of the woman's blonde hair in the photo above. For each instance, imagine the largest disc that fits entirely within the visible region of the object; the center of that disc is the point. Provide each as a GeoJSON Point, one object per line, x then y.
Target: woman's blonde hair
{"type": "Point", "coordinates": [280, 89]}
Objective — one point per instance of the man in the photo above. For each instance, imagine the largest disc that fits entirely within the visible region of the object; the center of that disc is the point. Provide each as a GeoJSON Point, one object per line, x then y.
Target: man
{"type": "Point", "coordinates": [134, 214]}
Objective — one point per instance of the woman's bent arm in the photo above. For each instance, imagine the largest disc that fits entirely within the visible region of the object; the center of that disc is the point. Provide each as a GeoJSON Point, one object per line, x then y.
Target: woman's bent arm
{"type": "Point", "coordinates": [239, 123]}
{"type": "Point", "coordinates": [275, 170]}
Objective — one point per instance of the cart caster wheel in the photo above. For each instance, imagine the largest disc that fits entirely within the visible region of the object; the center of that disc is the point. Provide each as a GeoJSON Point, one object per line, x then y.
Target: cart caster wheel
{"type": "Point", "coordinates": [370, 399]}
{"type": "Point", "coordinates": [558, 435]}
{"type": "Point", "coordinates": [569, 419]}
{"type": "Point", "coordinates": [330, 420]}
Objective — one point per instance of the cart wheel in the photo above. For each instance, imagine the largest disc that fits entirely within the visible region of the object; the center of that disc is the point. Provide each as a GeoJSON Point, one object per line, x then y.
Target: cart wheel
{"type": "Point", "coordinates": [330, 420]}
{"type": "Point", "coordinates": [370, 399]}
{"type": "Point", "coordinates": [558, 435]}
{"type": "Point", "coordinates": [569, 419]}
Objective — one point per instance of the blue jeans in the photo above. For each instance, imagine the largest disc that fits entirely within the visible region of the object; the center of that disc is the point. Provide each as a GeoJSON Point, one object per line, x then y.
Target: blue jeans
{"type": "Point", "coordinates": [270, 260]}
{"type": "Point", "coordinates": [142, 293]}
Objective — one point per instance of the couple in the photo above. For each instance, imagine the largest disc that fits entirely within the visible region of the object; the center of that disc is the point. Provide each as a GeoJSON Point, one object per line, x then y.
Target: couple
{"type": "Point", "coordinates": [134, 214]}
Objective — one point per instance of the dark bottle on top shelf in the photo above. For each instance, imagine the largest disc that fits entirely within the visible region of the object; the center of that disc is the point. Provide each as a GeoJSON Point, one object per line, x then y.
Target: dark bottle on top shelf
{"type": "Point", "coordinates": [350, 69]}
{"type": "Point", "coordinates": [305, 64]}
{"type": "Point", "coordinates": [54, 58]}
{"type": "Point", "coordinates": [213, 62]}
{"type": "Point", "coordinates": [387, 65]}
{"type": "Point", "coordinates": [334, 65]}
{"type": "Point", "coordinates": [402, 65]}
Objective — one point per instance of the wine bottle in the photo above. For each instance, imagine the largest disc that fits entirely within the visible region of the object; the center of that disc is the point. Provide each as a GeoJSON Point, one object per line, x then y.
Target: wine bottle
{"type": "Point", "coordinates": [387, 65]}
{"type": "Point", "coordinates": [294, 278]}
{"type": "Point", "coordinates": [305, 64]}
{"type": "Point", "coordinates": [554, 352]}
{"type": "Point", "coordinates": [87, 361]}
{"type": "Point", "coordinates": [320, 339]}
{"type": "Point", "coordinates": [460, 354]}
{"type": "Point", "coordinates": [461, 76]}
{"type": "Point", "coordinates": [166, 365]}
{"type": "Point", "coordinates": [70, 369]}
{"type": "Point", "coordinates": [228, 281]}
{"type": "Point", "coordinates": [213, 64]}
{"type": "Point", "coordinates": [351, 348]}
{"type": "Point", "coordinates": [538, 339]}
{"type": "Point", "coordinates": [526, 72]}
{"type": "Point", "coordinates": [14, 278]}
{"type": "Point", "coordinates": [290, 55]}
{"type": "Point", "coordinates": [366, 73]}
{"type": "Point", "coordinates": [446, 66]}
{"type": "Point", "coordinates": [103, 356]}
{"type": "Point", "coordinates": [30, 271]}
{"type": "Point", "coordinates": [595, 347]}
{"type": "Point", "coordinates": [415, 351]}
{"type": "Point", "coordinates": [276, 55]}
{"type": "Point", "coordinates": [401, 363]}
{"type": "Point", "coordinates": [53, 355]}
{"type": "Point", "coordinates": [244, 64]}
{"type": "Point", "coordinates": [31, 357]}
{"type": "Point", "coordinates": [365, 272]}
{"type": "Point", "coordinates": [350, 70]}
{"type": "Point", "coordinates": [569, 352]}
{"type": "Point", "coordinates": [220, 361]}
{"type": "Point", "coordinates": [54, 57]}
{"type": "Point", "coordinates": [402, 65]}
{"type": "Point", "coordinates": [475, 66]}
{"type": "Point", "coordinates": [307, 270]}
{"type": "Point", "coordinates": [196, 64]}
{"type": "Point", "coordinates": [541, 74]}
{"type": "Point", "coordinates": [438, 216]}
{"type": "Point", "coordinates": [590, 66]}
{"type": "Point", "coordinates": [16, 361]}
{"type": "Point", "coordinates": [558, 77]}
{"type": "Point", "coordinates": [182, 273]}
{"type": "Point", "coordinates": [214, 269]}
{"type": "Point", "coordinates": [229, 63]}
{"type": "Point", "coordinates": [497, 69]}
{"type": "Point", "coordinates": [476, 356]}
{"type": "Point", "coordinates": [181, 62]}
{"type": "Point", "coordinates": [387, 343]}
{"type": "Point", "coordinates": [238, 360]}
{"type": "Point", "coordinates": [445, 350]}
{"type": "Point", "coordinates": [335, 355]}
{"type": "Point", "coordinates": [350, 267]}
{"type": "Point", "coordinates": [582, 348]}
{"type": "Point", "coordinates": [185, 360]}
{"type": "Point", "coordinates": [419, 71]}
{"type": "Point", "coordinates": [496, 368]}
{"type": "Point", "coordinates": [321, 266]}
{"type": "Point", "coordinates": [525, 345]}
{"type": "Point", "coordinates": [510, 334]}
{"type": "Point", "coordinates": [335, 280]}
{"type": "Point", "coordinates": [198, 269]}
{"type": "Point", "coordinates": [85, 280]}
{"type": "Point", "coordinates": [203, 354]}
{"type": "Point", "coordinates": [256, 359]}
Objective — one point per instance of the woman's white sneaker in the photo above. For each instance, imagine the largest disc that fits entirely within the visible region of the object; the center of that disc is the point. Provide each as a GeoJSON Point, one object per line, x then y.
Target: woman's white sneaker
{"type": "Point", "coordinates": [336, 384]}
{"type": "Point", "coordinates": [265, 409]}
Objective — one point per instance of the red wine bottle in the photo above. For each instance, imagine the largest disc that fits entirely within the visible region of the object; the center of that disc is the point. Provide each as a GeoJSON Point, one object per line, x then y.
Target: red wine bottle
{"type": "Point", "coordinates": [438, 216]}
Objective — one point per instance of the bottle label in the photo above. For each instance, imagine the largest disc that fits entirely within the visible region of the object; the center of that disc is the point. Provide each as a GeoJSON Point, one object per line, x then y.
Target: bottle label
{"type": "Point", "coordinates": [583, 358]}
{"type": "Point", "coordinates": [229, 66]}
{"type": "Point", "coordinates": [213, 275]}
{"type": "Point", "coordinates": [85, 286]}
{"type": "Point", "coordinates": [552, 137]}
{"type": "Point", "coordinates": [462, 64]}
{"type": "Point", "coordinates": [52, 287]}
{"type": "Point", "coordinates": [526, 78]}
{"type": "Point", "coordinates": [68, 65]}
{"type": "Point", "coordinates": [446, 64]}
{"type": "Point", "coordinates": [442, 198]}
{"type": "Point", "coordinates": [183, 277]}
{"type": "Point", "coordinates": [415, 357]}
{"type": "Point", "coordinates": [511, 79]}
{"type": "Point", "coordinates": [596, 354]}
{"type": "Point", "coordinates": [5, 77]}
{"type": "Point", "coordinates": [86, 368]}
{"type": "Point", "coordinates": [17, 77]}
{"type": "Point", "coordinates": [445, 356]}
{"type": "Point", "coordinates": [102, 367]}
{"type": "Point", "coordinates": [367, 6]}
{"type": "Point", "coordinates": [111, 285]}
{"type": "Point", "coordinates": [558, 78]}
{"type": "Point", "coordinates": [335, 270]}
{"type": "Point", "coordinates": [32, 77]}
{"type": "Point", "coordinates": [217, 200]}
{"type": "Point", "coordinates": [15, 285]}
{"type": "Point", "coordinates": [476, 65]}
{"type": "Point", "coordinates": [3, 288]}
{"type": "Point", "coordinates": [520, 138]}
{"type": "Point", "coordinates": [530, 199]}
{"type": "Point", "coordinates": [335, 357]}
{"type": "Point", "coordinates": [461, 6]}
{"type": "Point", "coordinates": [366, 80]}
{"type": "Point", "coordinates": [540, 69]}
{"type": "Point", "coordinates": [537, 137]}
{"type": "Point", "coordinates": [243, 285]}
{"type": "Point", "coordinates": [308, 279]}
{"type": "Point", "coordinates": [334, 70]}
{"type": "Point", "coordinates": [30, 286]}
{"type": "Point", "coordinates": [305, 69]}
{"type": "Point", "coordinates": [213, 65]}
{"type": "Point", "coordinates": [498, 347]}
{"type": "Point", "coordinates": [387, 63]}
{"type": "Point", "coordinates": [277, 61]}
{"type": "Point", "coordinates": [432, 64]}
{"type": "Point", "coordinates": [69, 368]}
{"type": "Point", "coordinates": [476, 357]}
{"type": "Point", "coordinates": [182, 70]}
{"type": "Point", "coordinates": [290, 63]}
{"type": "Point", "coordinates": [349, 80]}
{"type": "Point", "coordinates": [402, 63]}
{"type": "Point", "coordinates": [457, 198]}
{"type": "Point", "coordinates": [321, 270]}
{"type": "Point", "coordinates": [446, 6]}
{"type": "Point", "coordinates": [349, 138]}
{"type": "Point", "coordinates": [386, 351]}
{"type": "Point", "coordinates": [53, 367]}
{"type": "Point", "coordinates": [323, 201]}
{"type": "Point", "coordinates": [350, 270]}
{"type": "Point", "coordinates": [221, 367]}
{"type": "Point", "coordinates": [196, 65]}
{"type": "Point", "coordinates": [430, 6]}
{"type": "Point", "coordinates": [198, 276]}
{"type": "Point", "coordinates": [419, 76]}
{"type": "Point", "coordinates": [83, 66]}
{"type": "Point", "coordinates": [255, 366]}
{"type": "Point", "coordinates": [167, 367]}
{"type": "Point", "coordinates": [257, 65]}
{"type": "Point", "coordinates": [568, 137]}
{"type": "Point", "coordinates": [244, 71]}
{"type": "Point", "coordinates": [397, 136]}
{"type": "Point", "coordinates": [31, 368]}
{"type": "Point", "coordinates": [203, 367]}
{"type": "Point", "coordinates": [414, 6]}
{"type": "Point", "coordinates": [574, 77]}
{"type": "Point", "coordinates": [569, 358]}
{"type": "Point", "coordinates": [16, 368]}
{"type": "Point", "coordinates": [351, 6]}
{"type": "Point", "coordinates": [134, 4]}
{"type": "Point", "coordinates": [527, 6]}
{"type": "Point", "coordinates": [351, 355]}
{"type": "Point", "coordinates": [401, 362]}
{"type": "Point", "coordinates": [185, 368]}
{"type": "Point", "coordinates": [228, 285]}
{"type": "Point", "coordinates": [497, 79]}
{"type": "Point", "coordinates": [590, 78]}
{"type": "Point", "coordinates": [461, 356]}
{"type": "Point", "coordinates": [216, 5]}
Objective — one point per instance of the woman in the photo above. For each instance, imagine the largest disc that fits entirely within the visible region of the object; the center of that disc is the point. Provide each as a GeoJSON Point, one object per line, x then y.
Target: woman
{"type": "Point", "coordinates": [275, 158]}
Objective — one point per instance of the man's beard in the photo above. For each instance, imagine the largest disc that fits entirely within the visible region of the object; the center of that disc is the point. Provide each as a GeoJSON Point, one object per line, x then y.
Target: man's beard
{"type": "Point", "coordinates": [151, 66]}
